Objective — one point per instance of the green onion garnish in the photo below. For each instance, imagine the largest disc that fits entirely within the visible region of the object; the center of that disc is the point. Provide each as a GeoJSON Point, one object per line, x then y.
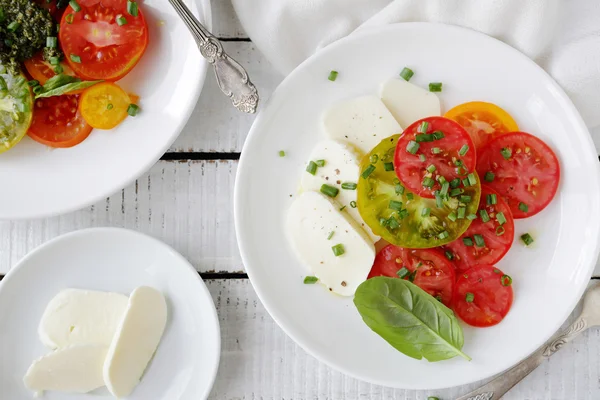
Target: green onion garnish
{"type": "Point", "coordinates": [338, 249]}
{"type": "Point", "coordinates": [469, 297]}
{"type": "Point", "coordinates": [310, 280]}
{"type": "Point", "coordinates": [374, 158]}
{"type": "Point", "coordinates": [461, 212]}
{"type": "Point", "coordinates": [472, 179]}
{"type": "Point", "coordinates": [506, 153]}
{"type": "Point", "coordinates": [121, 20]}
{"type": "Point", "coordinates": [501, 218]}
{"type": "Point", "coordinates": [13, 26]}
{"type": "Point", "coordinates": [395, 205]}
{"type": "Point", "coordinates": [412, 147]}
{"type": "Point", "coordinates": [403, 214]}
{"type": "Point", "coordinates": [406, 74]}
{"type": "Point", "coordinates": [443, 235]}
{"type": "Point", "coordinates": [320, 163]}
{"type": "Point", "coordinates": [424, 137]}
{"type": "Point", "coordinates": [506, 280]}
{"type": "Point", "coordinates": [332, 76]}
{"type": "Point", "coordinates": [69, 18]}
{"type": "Point", "coordinates": [51, 41]}
{"type": "Point", "coordinates": [527, 239]}
{"type": "Point", "coordinates": [468, 241]}
{"type": "Point", "coordinates": [422, 128]}
{"type": "Point", "coordinates": [281, 153]}
{"type": "Point", "coordinates": [38, 89]}
{"type": "Point", "coordinates": [33, 83]}
{"type": "Point", "coordinates": [435, 87]}
{"type": "Point", "coordinates": [454, 183]}
{"type": "Point", "coordinates": [492, 199]}
{"type": "Point", "coordinates": [438, 200]}
{"type": "Point", "coordinates": [75, 58]}
{"type": "Point", "coordinates": [403, 272]}
{"type": "Point", "coordinates": [523, 207]}
{"type": "Point", "coordinates": [431, 168]}
{"type": "Point", "coordinates": [132, 8]}
{"type": "Point", "coordinates": [353, 204]}
{"type": "Point", "coordinates": [499, 230]}
{"type": "Point", "coordinates": [464, 199]}
{"type": "Point", "coordinates": [133, 110]}
{"type": "Point", "coordinates": [388, 166]}
{"type": "Point", "coordinates": [437, 135]}
{"type": "Point", "coordinates": [349, 186]}
{"type": "Point", "coordinates": [399, 189]}
{"type": "Point", "coordinates": [428, 182]}
{"type": "Point", "coordinates": [392, 223]}
{"type": "Point", "coordinates": [330, 235]}
{"type": "Point", "coordinates": [410, 196]}
{"type": "Point", "coordinates": [368, 171]}
{"type": "Point", "coordinates": [109, 106]}
{"type": "Point", "coordinates": [75, 5]}
{"type": "Point", "coordinates": [449, 255]}
{"type": "Point", "coordinates": [489, 176]}
{"type": "Point", "coordinates": [485, 217]}
{"type": "Point", "coordinates": [466, 182]}
{"type": "Point", "coordinates": [329, 190]}
{"type": "Point", "coordinates": [436, 150]}
{"type": "Point", "coordinates": [311, 168]}
{"type": "Point", "coordinates": [479, 240]}
{"type": "Point", "coordinates": [425, 212]}
{"type": "Point", "coordinates": [444, 189]}
{"type": "Point", "coordinates": [452, 216]}
{"type": "Point", "coordinates": [471, 217]}
{"type": "Point", "coordinates": [383, 221]}
{"type": "Point", "coordinates": [422, 157]}
{"type": "Point", "coordinates": [463, 150]}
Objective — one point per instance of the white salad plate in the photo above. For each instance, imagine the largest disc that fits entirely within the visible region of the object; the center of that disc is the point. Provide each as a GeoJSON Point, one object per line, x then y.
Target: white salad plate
{"type": "Point", "coordinates": [549, 277]}
{"type": "Point", "coordinates": [39, 181]}
{"type": "Point", "coordinates": [116, 260]}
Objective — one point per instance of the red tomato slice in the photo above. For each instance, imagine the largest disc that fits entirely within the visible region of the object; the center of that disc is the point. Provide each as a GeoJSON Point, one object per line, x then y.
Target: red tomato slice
{"type": "Point", "coordinates": [497, 237]}
{"type": "Point", "coordinates": [483, 296]}
{"type": "Point", "coordinates": [57, 122]}
{"type": "Point", "coordinates": [412, 169]}
{"type": "Point", "coordinates": [41, 70]}
{"type": "Point", "coordinates": [526, 171]}
{"type": "Point", "coordinates": [96, 46]}
{"type": "Point", "coordinates": [426, 268]}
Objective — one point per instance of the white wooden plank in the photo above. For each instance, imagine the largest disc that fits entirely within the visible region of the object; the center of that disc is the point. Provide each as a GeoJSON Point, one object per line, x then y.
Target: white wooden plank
{"type": "Point", "coordinates": [215, 125]}
{"type": "Point", "coordinates": [186, 204]}
{"type": "Point", "coordinates": [259, 361]}
{"type": "Point", "coordinates": [225, 22]}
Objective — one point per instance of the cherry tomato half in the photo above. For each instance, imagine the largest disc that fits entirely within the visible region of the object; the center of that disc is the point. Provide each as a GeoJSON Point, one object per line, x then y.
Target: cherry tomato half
{"type": "Point", "coordinates": [526, 172]}
{"type": "Point", "coordinates": [426, 268]}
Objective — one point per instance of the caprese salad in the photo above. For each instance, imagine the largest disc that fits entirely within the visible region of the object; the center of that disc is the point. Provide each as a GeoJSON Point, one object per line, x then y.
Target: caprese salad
{"type": "Point", "coordinates": [409, 211]}
{"type": "Point", "coordinates": [59, 61]}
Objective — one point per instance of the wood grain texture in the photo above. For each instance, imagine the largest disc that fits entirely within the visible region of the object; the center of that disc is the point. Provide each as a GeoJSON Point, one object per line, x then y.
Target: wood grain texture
{"type": "Point", "coordinates": [259, 361]}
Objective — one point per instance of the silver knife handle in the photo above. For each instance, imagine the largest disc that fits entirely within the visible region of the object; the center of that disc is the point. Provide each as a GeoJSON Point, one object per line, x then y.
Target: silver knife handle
{"type": "Point", "coordinates": [498, 386]}
{"type": "Point", "coordinates": [232, 78]}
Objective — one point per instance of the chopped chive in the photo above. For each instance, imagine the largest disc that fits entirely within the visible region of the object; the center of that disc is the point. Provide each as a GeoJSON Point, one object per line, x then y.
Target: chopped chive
{"type": "Point", "coordinates": [406, 74]}
{"type": "Point", "coordinates": [412, 275]}
{"type": "Point", "coordinates": [33, 83]}
{"type": "Point", "coordinates": [311, 168]}
{"type": "Point", "coordinates": [485, 217]}
{"type": "Point", "coordinates": [496, 270]}
{"type": "Point", "coordinates": [445, 188]}
{"type": "Point", "coordinates": [492, 199]}
{"type": "Point", "coordinates": [428, 182]}
{"type": "Point", "coordinates": [431, 168]}
{"type": "Point", "coordinates": [132, 8]}
{"type": "Point", "coordinates": [436, 150]}
{"type": "Point", "coordinates": [310, 280]}
{"type": "Point", "coordinates": [374, 158]}
{"type": "Point", "coordinates": [109, 106]}
{"type": "Point", "coordinates": [466, 182]}
{"type": "Point", "coordinates": [422, 128]}
{"type": "Point", "coordinates": [523, 207]}
{"type": "Point", "coordinates": [338, 249]}
{"type": "Point", "coordinates": [452, 216]}
{"type": "Point", "coordinates": [464, 199]}
{"type": "Point", "coordinates": [443, 235]}
{"type": "Point", "coordinates": [463, 150]}
{"type": "Point", "coordinates": [320, 163]}
{"type": "Point", "coordinates": [388, 166]}
{"type": "Point", "coordinates": [383, 221]}
{"type": "Point", "coordinates": [469, 297]}
{"type": "Point", "coordinates": [425, 212]}
{"type": "Point", "coordinates": [281, 153]}
{"type": "Point", "coordinates": [472, 179]}
{"type": "Point", "coordinates": [121, 20]}
{"type": "Point", "coordinates": [54, 61]}
{"type": "Point", "coordinates": [449, 255]}
{"type": "Point", "coordinates": [437, 135]}
{"type": "Point", "coordinates": [461, 212]}
{"type": "Point", "coordinates": [424, 137]}
{"type": "Point", "coordinates": [368, 171]}
{"type": "Point", "coordinates": [422, 157]}
{"type": "Point", "coordinates": [471, 217]}
{"type": "Point", "coordinates": [392, 223]}
{"type": "Point", "coordinates": [403, 214]}
{"type": "Point", "coordinates": [399, 189]}
{"type": "Point", "coordinates": [58, 69]}
{"type": "Point", "coordinates": [329, 190]}
{"type": "Point", "coordinates": [75, 58]}
{"type": "Point", "coordinates": [506, 280]}
{"type": "Point", "coordinates": [438, 200]}
{"type": "Point", "coordinates": [395, 205]}
{"type": "Point", "coordinates": [441, 180]}
{"type": "Point", "coordinates": [479, 240]}
{"type": "Point", "coordinates": [13, 26]}
{"type": "Point", "coordinates": [75, 5]}
{"type": "Point", "coordinates": [332, 76]}
{"type": "Point", "coordinates": [454, 183]}
{"type": "Point", "coordinates": [69, 18]}
{"type": "Point", "coordinates": [353, 204]}
{"type": "Point", "coordinates": [499, 230]}
{"type": "Point", "coordinates": [38, 89]}
{"type": "Point", "coordinates": [133, 110]}
{"type": "Point", "coordinates": [506, 153]}
{"type": "Point", "coordinates": [435, 87]}
{"type": "Point", "coordinates": [51, 41]}
{"type": "Point", "coordinates": [403, 272]}
{"type": "Point", "coordinates": [330, 235]}
{"type": "Point", "coordinates": [489, 176]}
{"type": "Point", "coordinates": [468, 241]}
{"type": "Point", "coordinates": [501, 218]}
{"type": "Point", "coordinates": [412, 147]}
{"type": "Point", "coordinates": [349, 186]}
{"type": "Point", "coordinates": [527, 239]}
{"type": "Point", "coordinates": [410, 196]}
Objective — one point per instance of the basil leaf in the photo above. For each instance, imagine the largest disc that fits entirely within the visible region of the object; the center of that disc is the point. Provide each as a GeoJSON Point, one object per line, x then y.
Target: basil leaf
{"type": "Point", "coordinates": [409, 319]}
{"type": "Point", "coordinates": [69, 87]}
{"type": "Point", "coordinates": [59, 80]}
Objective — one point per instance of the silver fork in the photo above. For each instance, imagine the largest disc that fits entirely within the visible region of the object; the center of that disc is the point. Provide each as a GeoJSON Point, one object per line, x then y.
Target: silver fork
{"type": "Point", "coordinates": [232, 78]}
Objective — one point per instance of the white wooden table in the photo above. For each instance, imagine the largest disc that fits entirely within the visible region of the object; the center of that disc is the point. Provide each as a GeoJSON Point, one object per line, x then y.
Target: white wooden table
{"type": "Point", "coordinates": [186, 200]}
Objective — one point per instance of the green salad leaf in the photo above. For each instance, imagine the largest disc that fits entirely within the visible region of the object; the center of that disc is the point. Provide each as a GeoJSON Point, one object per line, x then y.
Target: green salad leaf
{"type": "Point", "coordinates": [409, 319]}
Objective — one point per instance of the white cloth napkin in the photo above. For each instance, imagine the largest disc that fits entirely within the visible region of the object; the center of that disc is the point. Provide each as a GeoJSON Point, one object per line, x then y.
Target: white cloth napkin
{"type": "Point", "coordinates": [563, 36]}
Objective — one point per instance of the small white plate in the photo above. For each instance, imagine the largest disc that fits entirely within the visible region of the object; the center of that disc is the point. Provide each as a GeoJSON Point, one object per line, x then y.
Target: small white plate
{"type": "Point", "coordinates": [117, 260]}
{"type": "Point", "coordinates": [549, 278]}
{"type": "Point", "coordinates": [38, 181]}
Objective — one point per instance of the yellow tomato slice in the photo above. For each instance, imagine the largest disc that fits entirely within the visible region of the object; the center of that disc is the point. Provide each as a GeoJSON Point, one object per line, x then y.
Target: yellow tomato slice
{"type": "Point", "coordinates": [104, 105]}
{"type": "Point", "coordinates": [484, 121]}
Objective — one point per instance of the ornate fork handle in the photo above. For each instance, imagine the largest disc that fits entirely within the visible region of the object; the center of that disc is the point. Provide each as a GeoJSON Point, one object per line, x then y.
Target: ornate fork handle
{"type": "Point", "coordinates": [498, 386]}
{"type": "Point", "coordinates": [232, 78]}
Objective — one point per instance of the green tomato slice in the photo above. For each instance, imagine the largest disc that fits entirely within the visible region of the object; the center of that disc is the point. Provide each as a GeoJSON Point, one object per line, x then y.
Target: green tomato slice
{"type": "Point", "coordinates": [403, 218]}
{"type": "Point", "coordinates": [16, 105]}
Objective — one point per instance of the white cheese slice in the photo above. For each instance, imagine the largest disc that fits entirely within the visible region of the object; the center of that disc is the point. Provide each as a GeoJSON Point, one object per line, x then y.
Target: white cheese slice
{"type": "Point", "coordinates": [135, 341]}
{"type": "Point", "coordinates": [362, 122]}
{"type": "Point", "coordinates": [77, 316]}
{"type": "Point", "coordinates": [341, 166]}
{"type": "Point", "coordinates": [310, 220]}
{"type": "Point", "coordinates": [408, 102]}
{"type": "Point", "coordinates": [75, 369]}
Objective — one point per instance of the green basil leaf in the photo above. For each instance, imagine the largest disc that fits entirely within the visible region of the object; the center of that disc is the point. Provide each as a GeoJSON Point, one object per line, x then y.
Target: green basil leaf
{"type": "Point", "coordinates": [410, 319]}
{"type": "Point", "coordinates": [59, 80]}
{"type": "Point", "coordinates": [69, 87]}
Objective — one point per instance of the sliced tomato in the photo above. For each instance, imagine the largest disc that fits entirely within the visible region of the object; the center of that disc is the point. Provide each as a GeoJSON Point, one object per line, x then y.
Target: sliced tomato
{"type": "Point", "coordinates": [57, 122]}
{"type": "Point", "coordinates": [427, 269]}
{"type": "Point", "coordinates": [104, 105]}
{"type": "Point", "coordinates": [483, 296]}
{"type": "Point", "coordinates": [494, 226]}
{"type": "Point", "coordinates": [96, 46]}
{"type": "Point", "coordinates": [483, 121]}
{"type": "Point", "coordinates": [41, 70]}
{"type": "Point", "coordinates": [404, 218]}
{"type": "Point", "coordinates": [526, 171]}
{"type": "Point", "coordinates": [433, 143]}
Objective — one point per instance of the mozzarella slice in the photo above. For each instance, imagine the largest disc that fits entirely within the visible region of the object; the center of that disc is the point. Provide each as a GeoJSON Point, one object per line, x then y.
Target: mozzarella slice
{"type": "Point", "coordinates": [310, 220]}
{"type": "Point", "coordinates": [341, 165]}
{"type": "Point", "coordinates": [362, 122]}
{"type": "Point", "coordinates": [407, 102]}
{"type": "Point", "coordinates": [75, 369]}
{"type": "Point", "coordinates": [76, 316]}
{"type": "Point", "coordinates": [135, 341]}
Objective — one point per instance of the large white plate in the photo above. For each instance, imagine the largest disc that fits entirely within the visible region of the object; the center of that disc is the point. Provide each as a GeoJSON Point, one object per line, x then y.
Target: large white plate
{"type": "Point", "coordinates": [549, 278]}
{"type": "Point", "coordinates": [110, 259]}
{"type": "Point", "coordinates": [38, 181]}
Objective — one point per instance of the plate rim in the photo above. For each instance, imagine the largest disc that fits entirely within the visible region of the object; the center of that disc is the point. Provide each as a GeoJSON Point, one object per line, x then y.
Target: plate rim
{"type": "Point", "coordinates": [155, 242]}
{"type": "Point", "coordinates": [244, 159]}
